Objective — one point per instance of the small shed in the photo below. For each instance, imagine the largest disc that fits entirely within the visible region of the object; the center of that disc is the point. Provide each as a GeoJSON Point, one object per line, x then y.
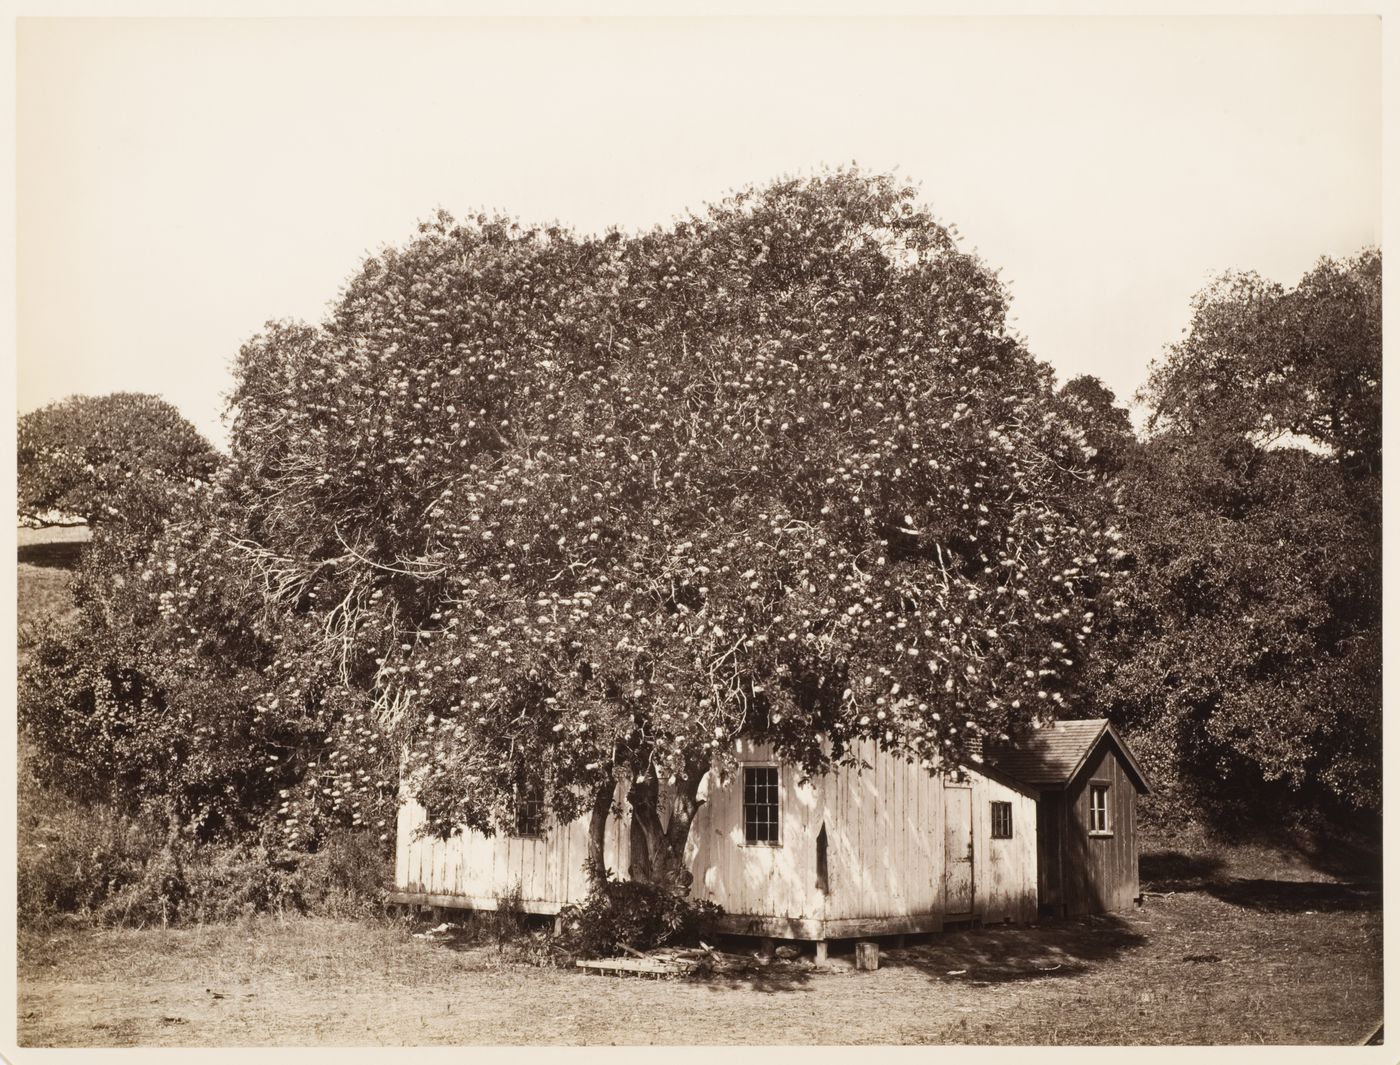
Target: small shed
{"type": "Point", "coordinates": [1086, 825]}
{"type": "Point", "coordinates": [882, 848]}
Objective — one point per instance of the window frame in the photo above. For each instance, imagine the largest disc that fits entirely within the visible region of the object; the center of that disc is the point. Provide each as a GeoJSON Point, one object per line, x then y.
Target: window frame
{"type": "Point", "coordinates": [1001, 811]}
{"type": "Point", "coordinates": [1100, 826]}
{"type": "Point", "coordinates": [529, 815]}
{"type": "Point", "coordinates": [776, 805]}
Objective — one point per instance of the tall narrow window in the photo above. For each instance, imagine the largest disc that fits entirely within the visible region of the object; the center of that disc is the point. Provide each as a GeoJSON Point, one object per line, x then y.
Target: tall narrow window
{"type": "Point", "coordinates": [1098, 808]}
{"type": "Point", "coordinates": [761, 804]}
{"type": "Point", "coordinates": [1001, 820]}
{"type": "Point", "coordinates": [529, 807]}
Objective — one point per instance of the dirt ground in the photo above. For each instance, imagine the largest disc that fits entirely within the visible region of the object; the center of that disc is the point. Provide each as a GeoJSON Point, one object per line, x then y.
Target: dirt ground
{"type": "Point", "coordinates": [1213, 962]}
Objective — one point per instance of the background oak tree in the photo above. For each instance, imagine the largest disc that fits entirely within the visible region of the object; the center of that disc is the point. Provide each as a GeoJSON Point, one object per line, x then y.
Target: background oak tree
{"type": "Point", "coordinates": [1246, 658]}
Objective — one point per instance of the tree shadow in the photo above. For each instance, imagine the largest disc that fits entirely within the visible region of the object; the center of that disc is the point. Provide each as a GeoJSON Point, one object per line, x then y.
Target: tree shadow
{"type": "Point", "coordinates": [1177, 870]}
{"type": "Point", "coordinates": [736, 964]}
{"type": "Point", "coordinates": [58, 554]}
{"type": "Point", "coordinates": [525, 939]}
{"type": "Point", "coordinates": [1298, 896]}
{"type": "Point", "coordinates": [1171, 871]}
{"type": "Point", "coordinates": [1357, 856]}
{"type": "Point", "coordinates": [752, 975]}
{"type": "Point", "coordinates": [1010, 953]}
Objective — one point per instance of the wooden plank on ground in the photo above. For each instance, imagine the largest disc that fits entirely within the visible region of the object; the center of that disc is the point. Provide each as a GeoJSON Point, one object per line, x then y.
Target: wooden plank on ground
{"type": "Point", "coordinates": [657, 966]}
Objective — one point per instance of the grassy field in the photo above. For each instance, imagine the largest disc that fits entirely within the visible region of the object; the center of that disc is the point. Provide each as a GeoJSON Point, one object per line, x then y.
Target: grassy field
{"type": "Point", "coordinates": [1218, 960]}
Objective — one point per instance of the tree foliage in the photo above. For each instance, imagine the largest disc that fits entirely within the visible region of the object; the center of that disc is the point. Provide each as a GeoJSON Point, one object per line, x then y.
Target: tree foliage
{"type": "Point", "coordinates": [104, 459]}
{"type": "Point", "coordinates": [545, 512]}
{"type": "Point", "coordinates": [1247, 653]}
{"type": "Point", "coordinates": [115, 708]}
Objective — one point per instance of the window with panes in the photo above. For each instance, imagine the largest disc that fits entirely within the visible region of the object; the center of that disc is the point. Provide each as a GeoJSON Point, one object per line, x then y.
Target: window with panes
{"type": "Point", "coordinates": [761, 804]}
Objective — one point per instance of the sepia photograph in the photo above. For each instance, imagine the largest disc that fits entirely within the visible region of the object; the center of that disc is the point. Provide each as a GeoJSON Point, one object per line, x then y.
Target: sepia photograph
{"type": "Point", "coordinates": [688, 531]}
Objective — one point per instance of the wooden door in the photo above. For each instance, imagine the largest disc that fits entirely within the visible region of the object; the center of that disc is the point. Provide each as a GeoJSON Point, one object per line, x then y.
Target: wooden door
{"type": "Point", "coordinates": [957, 850]}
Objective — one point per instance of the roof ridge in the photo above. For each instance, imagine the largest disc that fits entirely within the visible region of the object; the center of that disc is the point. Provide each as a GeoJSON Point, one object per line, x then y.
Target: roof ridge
{"type": "Point", "coordinates": [1053, 756]}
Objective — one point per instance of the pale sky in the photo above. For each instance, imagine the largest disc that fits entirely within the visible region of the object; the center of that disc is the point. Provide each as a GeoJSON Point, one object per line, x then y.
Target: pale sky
{"type": "Point", "coordinates": [180, 182]}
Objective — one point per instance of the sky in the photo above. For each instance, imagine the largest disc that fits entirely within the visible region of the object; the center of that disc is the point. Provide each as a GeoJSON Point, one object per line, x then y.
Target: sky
{"type": "Point", "coordinates": [181, 182]}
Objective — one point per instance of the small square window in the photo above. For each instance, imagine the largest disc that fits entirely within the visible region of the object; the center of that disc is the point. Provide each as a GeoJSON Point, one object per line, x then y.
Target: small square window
{"type": "Point", "coordinates": [761, 804]}
{"type": "Point", "coordinates": [1001, 820]}
{"type": "Point", "coordinates": [1098, 808]}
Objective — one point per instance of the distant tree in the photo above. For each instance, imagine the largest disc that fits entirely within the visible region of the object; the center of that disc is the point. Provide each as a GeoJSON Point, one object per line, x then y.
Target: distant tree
{"type": "Point", "coordinates": [1246, 651]}
{"type": "Point", "coordinates": [1271, 364]}
{"type": "Point", "coordinates": [113, 458]}
{"type": "Point", "coordinates": [1091, 405]}
{"type": "Point", "coordinates": [541, 513]}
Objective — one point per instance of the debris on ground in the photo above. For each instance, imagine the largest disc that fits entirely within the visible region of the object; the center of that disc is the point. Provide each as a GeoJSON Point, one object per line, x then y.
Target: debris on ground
{"type": "Point", "coordinates": [439, 930]}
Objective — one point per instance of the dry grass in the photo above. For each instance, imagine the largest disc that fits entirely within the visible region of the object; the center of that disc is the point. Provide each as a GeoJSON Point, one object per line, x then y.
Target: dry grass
{"type": "Point", "coordinates": [1247, 961]}
{"type": "Point", "coordinates": [47, 558]}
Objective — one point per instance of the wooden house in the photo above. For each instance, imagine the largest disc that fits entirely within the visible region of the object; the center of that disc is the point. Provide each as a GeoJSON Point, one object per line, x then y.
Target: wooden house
{"type": "Point", "coordinates": [1086, 826]}
{"type": "Point", "coordinates": [883, 848]}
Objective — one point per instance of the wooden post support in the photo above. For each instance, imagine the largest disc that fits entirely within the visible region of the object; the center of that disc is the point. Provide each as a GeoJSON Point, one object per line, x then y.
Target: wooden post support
{"type": "Point", "coordinates": [821, 952]}
{"type": "Point", "coordinates": [899, 940]}
{"type": "Point", "coordinates": [867, 955]}
{"type": "Point", "coordinates": [558, 925]}
{"type": "Point", "coordinates": [766, 947]}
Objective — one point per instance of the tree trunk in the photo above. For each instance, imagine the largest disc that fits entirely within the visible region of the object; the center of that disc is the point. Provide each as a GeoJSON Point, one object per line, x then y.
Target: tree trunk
{"type": "Point", "coordinates": [658, 850]}
{"type": "Point", "coordinates": [597, 829]}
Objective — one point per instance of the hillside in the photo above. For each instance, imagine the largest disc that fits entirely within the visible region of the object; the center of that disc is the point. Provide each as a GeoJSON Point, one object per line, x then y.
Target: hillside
{"type": "Point", "coordinates": [46, 560]}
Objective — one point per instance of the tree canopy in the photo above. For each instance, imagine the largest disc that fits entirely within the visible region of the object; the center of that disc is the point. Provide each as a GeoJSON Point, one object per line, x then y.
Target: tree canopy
{"type": "Point", "coordinates": [553, 511]}
{"type": "Point", "coordinates": [100, 459]}
{"type": "Point", "coordinates": [1247, 655]}
{"type": "Point", "coordinates": [532, 514]}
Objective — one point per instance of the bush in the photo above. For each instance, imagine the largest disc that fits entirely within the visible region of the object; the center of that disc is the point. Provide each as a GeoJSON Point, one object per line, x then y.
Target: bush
{"type": "Point", "coordinates": [73, 858]}
{"type": "Point", "coordinates": [346, 877]}
{"type": "Point", "coordinates": [97, 863]}
{"type": "Point", "coordinates": [632, 913]}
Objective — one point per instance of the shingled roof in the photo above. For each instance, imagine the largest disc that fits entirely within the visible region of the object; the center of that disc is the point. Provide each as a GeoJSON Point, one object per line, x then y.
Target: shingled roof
{"type": "Point", "coordinates": [1051, 757]}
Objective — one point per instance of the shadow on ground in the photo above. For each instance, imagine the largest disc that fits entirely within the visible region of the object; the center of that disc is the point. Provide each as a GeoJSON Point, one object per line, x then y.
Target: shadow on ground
{"type": "Point", "coordinates": [776, 976]}
{"type": "Point", "coordinates": [1003, 954]}
{"type": "Point", "coordinates": [1170, 871]}
{"type": "Point", "coordinates": [1294, 896]}
{"type": "Point", "coordinates": [977, 957]}
{"type": "Point", "coordinates": [57, 554]}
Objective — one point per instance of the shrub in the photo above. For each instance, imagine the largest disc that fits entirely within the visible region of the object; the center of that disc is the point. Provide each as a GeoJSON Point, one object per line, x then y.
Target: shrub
{"type": "Point", "coordinates": [98, 863]}
{"type": "Point", "coordinates": [345, 877]}
{"type": "Point", "coordinates": [632, 913]}
{"type": "Point", "coordinates": [73, 858]}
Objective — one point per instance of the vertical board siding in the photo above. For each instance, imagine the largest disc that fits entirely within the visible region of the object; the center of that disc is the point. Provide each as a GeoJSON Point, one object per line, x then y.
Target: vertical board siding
{"type": "Point", "coordinates": [548, 869]}
{"type": "Point", "coordinates": [885, 824]}
{"type": "Point", "coordinates": [961, 854]}
{"type": "Point", "coordinates": [1100, 873]}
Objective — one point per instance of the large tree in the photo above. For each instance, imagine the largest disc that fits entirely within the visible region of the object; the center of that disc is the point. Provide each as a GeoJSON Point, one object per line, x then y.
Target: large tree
{"type": "Point", "coordinates": [1246, 656]}
{"type": "Point", "coordinates": [538, 513]}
